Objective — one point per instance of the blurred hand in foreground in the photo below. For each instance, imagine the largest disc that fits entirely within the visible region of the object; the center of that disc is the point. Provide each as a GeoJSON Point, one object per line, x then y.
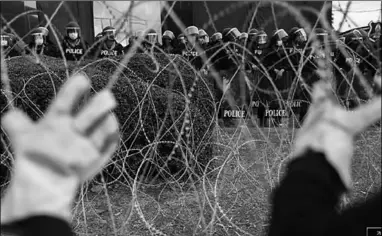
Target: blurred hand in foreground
{"type": "Point", "coordinates": [330, 129]}
{"type": "Point", "coordinates": [56, 154]}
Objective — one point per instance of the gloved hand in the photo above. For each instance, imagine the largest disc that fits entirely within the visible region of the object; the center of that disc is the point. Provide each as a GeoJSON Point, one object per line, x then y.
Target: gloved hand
{"type": "Point", "coordinates": [331, 129]}
{"type": "Point", "coordinates": [56, 154]}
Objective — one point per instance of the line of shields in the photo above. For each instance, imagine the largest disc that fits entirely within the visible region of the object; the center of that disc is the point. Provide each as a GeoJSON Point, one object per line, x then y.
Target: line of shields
{"type": "Point", "coordinates": [256, 99]}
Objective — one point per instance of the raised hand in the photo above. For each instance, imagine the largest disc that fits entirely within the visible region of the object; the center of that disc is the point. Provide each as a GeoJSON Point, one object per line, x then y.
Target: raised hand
{"type": "Point", "coordinates": [56, 154]}
{"type": "Point", "coordinates": [331, 129]}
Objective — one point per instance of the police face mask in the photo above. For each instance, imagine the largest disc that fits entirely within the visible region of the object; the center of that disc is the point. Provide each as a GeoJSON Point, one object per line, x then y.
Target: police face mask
{"type": "Point", "coordinates": [4, 41]}
{"type": "Point", "coordinates": [233, 35]}
{"type": "Point", "coordinates": [39, 40]}
{"type": "Point", "coordinates": [73, 35]}
{"type": "Point", "coordinates": [152, 38]}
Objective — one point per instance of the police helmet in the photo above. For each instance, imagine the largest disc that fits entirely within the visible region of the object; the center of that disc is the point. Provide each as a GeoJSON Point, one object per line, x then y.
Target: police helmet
{"type": "Point", "coordinates": [299, 34]}
{"type": "Point", "coordinates": [191, 30]}
{"type": "Point", "coordinates": [321, 34]}
{"type": "Point", "coordinates": [243, 36]}
{"type": "Point", "coordinates": [202, 33]}
{"type": "Point", "coordinates": [280, 34]}
{"type": "Point", "coordinates": [216, 37]}
{"type": "Point", "coordinates": [231, 34]}
{"type": "Point", "coordinates": [168, 34]}
{"type": "Point", "coordinates": [72, 26]}
{"type": "Point", "coordinates": [109, 32]}
{"type": "Point", "coordinates": [39, 32]}
{"type": "Point", "coordinates": [5, 39]}
{"type": "Point", "coordinates": [180, 36]}
{"type": "Point", "coordinates": [151, 36]}
{"type": "Point", "coordinates": [108, 29]}
{"type": "Point", "coordinates": [253, 32]}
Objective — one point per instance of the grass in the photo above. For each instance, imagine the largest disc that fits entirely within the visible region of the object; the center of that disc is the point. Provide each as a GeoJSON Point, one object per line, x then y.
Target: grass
{"type": "Point", "coordinates": [236, 203]}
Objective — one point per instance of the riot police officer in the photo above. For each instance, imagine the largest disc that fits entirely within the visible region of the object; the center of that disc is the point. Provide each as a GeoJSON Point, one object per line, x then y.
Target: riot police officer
{"type": "Point", "coordinates": [257, 45]}
{"type": "Point", "coordinates": [188, 49]}
{"type": "Point", "coordinates": [298, 38]}
{"type": "Point", "coordinates": [233, 70]}
{"type": "Point", "coordinates": [8, 45]}
{"type": "Point", "coordinates": [150, 43]}
{"type": "Point", "coordinates": [40, 44]}
{"type": "Point", "coordinates": [214, 47]}
{"type": "Point", "coordinates": [203, 39]}
{"type": "Point", "coordinates": [279, 68]}
{"type": "Point", "coordinates": [108, 45]}
{"type": "Point", "coordinates": [181, 40]}
{"type": "Point", "coordinates": [168, 40]}
{"type": "Point", "coordinates": [73, 45]}
{"type": "Point", "coordinates": [216, 38]}
{"type": "Point", "coordinates": [243, 39]}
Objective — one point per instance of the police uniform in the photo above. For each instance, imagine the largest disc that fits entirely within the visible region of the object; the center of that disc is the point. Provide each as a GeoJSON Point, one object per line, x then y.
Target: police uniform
{"type": "Point", "coordinates": [115, 50]}
{"type": "Point", "coordinates": [150, 44]}
{"type": "Point", "coordinates": [8, 43]}
{"type": "Point", "coordinates": [108, 46]}
{"type": "Point", "coordinates": [276, 61]}
{"type": "Point", "coordinates": [168, 36]}
{"type": "Point", "coordinates": [74, 47]}
{"type": "Point", "coordinates": [74, 51]}
{"type": "Point", "coordinates": [46, 47]}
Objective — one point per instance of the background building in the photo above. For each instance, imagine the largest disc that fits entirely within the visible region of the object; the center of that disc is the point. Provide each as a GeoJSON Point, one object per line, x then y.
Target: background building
{"type": "Point", "coordinates": [144, 15]}
{"type": "Point", "coordinates": [92, 16]}
{"type": "Point", "coordinates": [30, 14]}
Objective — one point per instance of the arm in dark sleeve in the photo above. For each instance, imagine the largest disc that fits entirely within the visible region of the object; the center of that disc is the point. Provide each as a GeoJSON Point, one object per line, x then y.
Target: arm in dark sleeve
{"type": "Point", "coordinates": [38, 226]}
{"type": "Point", "coordinates": [305, 202]}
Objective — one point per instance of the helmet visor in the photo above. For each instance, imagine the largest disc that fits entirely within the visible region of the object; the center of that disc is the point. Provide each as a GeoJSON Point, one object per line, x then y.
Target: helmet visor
{"type": "Point", "coordinates": [322, 37]}
{"type": "Point", "coordinates": [72, 30]}
{"type": "Point", "coordinates": [234, 34]}
{"type": "Point", "coordinates": [152, 37]}
{"type": "Point", "coordinates": [281, 34]}
{"type": "Point", "coordinates": [4, 40]}
{"type": "Point", "coordinates": [110, 34]}
{"type": "Point", "coordinates": [301, 35]}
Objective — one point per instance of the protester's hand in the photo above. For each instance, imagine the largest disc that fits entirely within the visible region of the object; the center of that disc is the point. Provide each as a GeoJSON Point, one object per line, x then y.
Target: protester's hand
{"type": "Point", "coordinates": [56, 154]}
{"type": "Point", "coordinates": [331, 129]}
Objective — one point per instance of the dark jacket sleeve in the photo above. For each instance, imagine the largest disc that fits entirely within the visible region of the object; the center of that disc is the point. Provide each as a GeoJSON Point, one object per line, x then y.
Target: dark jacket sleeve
{"type": "Point", "coordinates": [305, 202]}
{"type": "Point", "coordinates": [38, 226]}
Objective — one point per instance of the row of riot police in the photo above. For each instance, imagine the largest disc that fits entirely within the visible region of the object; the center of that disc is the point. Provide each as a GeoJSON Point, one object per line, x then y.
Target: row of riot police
{"type": "Point", "coordinates": [259, 68]}
{"type": "Point", "coordinates": [73, 46]}
{"type": "Point", "coordinates": [281, 68]}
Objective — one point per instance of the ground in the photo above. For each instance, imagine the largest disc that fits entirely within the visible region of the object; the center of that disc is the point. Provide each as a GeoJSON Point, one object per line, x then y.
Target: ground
{"type": "Point", "coordinates": [237, 203]}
